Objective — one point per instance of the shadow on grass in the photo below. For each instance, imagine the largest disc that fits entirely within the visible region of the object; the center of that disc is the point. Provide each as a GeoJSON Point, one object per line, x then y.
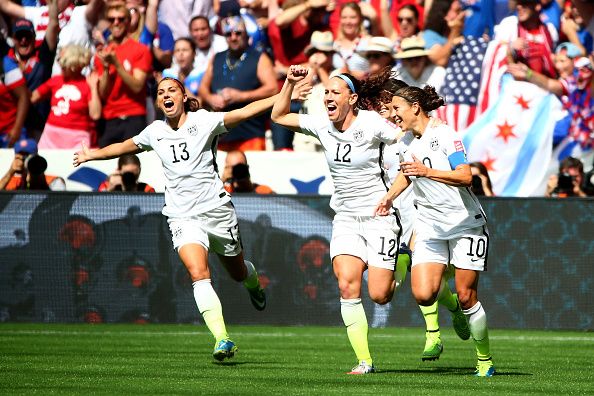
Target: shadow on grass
{"type": "Point", "coordinates": [465, 371]}
{"type": "Point", "coordinates": [230, 364]}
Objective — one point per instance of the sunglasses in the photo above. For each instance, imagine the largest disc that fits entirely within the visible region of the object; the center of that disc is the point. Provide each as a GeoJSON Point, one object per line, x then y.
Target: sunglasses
{"type": "Point", "coordinates": [375, 55]}
{"type": "Point", "coordinates": [119, 19]}
{"type": "Point", "coordinates": [25, 35]}
{"type": "Point", "coordinates": [235, 32]}
{"type": "Point", "coordinates": [406, 19]}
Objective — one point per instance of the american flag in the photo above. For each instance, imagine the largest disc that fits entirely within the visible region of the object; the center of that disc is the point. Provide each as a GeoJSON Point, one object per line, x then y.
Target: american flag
{"type": "Point", "coordinates": [463, 84]}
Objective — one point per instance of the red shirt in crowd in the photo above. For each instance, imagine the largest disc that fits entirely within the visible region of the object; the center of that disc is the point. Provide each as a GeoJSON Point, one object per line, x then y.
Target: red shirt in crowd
{"type": "Point", "coordinates": [13, 78]}
{"type": "Point", "coordinates": [288, 43]}
{"type": "Point", "coordinates": [70, 102]}
{"type": "Point", "coordinates": [121, 100]}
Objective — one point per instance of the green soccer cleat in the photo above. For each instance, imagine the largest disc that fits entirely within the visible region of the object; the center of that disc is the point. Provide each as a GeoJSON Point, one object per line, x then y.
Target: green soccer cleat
{"type": "Point", "coordinates": [224, 349]}
{"type": "Point", "coordinates": [484, 368]}
{"type": "Point", "coordinates": [362, 368]}
{"type": "Point", "coordinates": [258, 298]}
{"type": "Point", "coordinates": [459, 321]}
{"type": "Point", "coordinates": [433, 347]}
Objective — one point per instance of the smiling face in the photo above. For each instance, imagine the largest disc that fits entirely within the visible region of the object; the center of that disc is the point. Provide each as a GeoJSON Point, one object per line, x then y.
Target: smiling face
{"type": "Point", "coordinates": [408, 22]}
{"type": "Point", "coordinates": [339, 100]}
{"type": "Point", "coordinates": [119, 23]}
{"type": "Point", "coordinates": [350, 22]}
{"type": "Point", "coordinates": [403, 113]}
{"type": "Point", "coordinates": [170, 98]}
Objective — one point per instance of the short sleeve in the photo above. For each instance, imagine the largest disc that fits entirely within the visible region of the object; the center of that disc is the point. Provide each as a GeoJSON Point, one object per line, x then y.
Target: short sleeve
{"type": "Point", "coordinates": [143, 139]}
{"type": "Point", "coordinates": [308, 125]}
{"type": "Point", "coordinates": [453, 147]}
{"type": "Point", "coordinates": [214, 122]}
{"type": "Point", "coordinates": [144, 61]}
{"type": "Point", "coordinates": [166, 40]}
{"type": "Point", "coordinates": [45, 89]}
{"type": "Point", "coordinates": [386, 131]}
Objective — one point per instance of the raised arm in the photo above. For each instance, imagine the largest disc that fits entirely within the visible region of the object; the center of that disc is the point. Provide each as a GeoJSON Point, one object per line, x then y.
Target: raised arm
{"type": "Point", "coordinates": [112, 151]}
{"type": "Point", "coordinates": [281, 111]}
{"type": "Point", "coordinates": [53, 27]}
{"type": "Point", "coordinates": [12, 9]}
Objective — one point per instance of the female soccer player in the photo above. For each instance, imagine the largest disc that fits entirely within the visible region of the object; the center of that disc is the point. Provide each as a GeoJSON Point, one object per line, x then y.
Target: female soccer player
{"type": "Point", "coordinates": [199, 211]}
{"type": "Point", "coordinates": [451, 225]}
{"type": "Point", "coordinates": [352, 140]}
{"type": "Point", "coordinates": [405, 205]}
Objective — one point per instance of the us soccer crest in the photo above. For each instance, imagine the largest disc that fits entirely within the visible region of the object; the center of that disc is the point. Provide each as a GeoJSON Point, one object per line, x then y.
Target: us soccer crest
{"type": "Point", "coordinates": [193, 130]}
{"type": "Point", "coordinates": [434, 144]}
{"type": "Point", "coordinates": [358, 135]}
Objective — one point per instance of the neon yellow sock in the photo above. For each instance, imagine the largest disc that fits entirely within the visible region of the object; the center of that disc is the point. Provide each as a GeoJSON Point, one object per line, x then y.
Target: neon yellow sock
{"type": "Point", "coordinates": [355, 321]}
{"type": "Point", "coordinates": [431, 316]}
{"type": "Point", "coordinates": [251, 281]}
{"type": "Point", "coordinates": [210, 308]}
{"type": "Point", "coordinates": [477, 321]}
{"type": "Point", "coordinates": [401, 269]}
{"type": "Point", "coordinates": [446, 298]}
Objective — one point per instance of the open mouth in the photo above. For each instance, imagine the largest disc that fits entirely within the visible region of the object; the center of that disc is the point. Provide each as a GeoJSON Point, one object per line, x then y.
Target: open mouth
{"type": "Point", "coordinates": [331, 108]}
{"type": "Point", "coordinates": [168, 104]}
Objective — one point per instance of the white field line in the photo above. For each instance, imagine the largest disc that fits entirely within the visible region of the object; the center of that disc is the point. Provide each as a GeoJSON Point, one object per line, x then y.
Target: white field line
{"type": "Point", "coordinates": [340, 334]}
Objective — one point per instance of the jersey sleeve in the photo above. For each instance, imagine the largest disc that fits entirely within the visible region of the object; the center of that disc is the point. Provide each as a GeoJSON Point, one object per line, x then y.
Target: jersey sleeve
{"type": "Point", "coordinates": [214, 122]}
{"type": "Point", "coordinates": [309, 125]}
{"type": "Point", "coordinates": [387, 131]}
{"type": "Point", "coordinates": [454, 148]}
{"type": "Point", "coordinates": [143, 139]}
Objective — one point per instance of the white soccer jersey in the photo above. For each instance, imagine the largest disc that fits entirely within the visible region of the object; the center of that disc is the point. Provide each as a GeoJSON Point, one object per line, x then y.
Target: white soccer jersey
{"type": "Point", "coordinates": [354, 159]}
{"type": "Point", "coordinates": [192, 184]}
{"type": "Point", "coordinates": [442, 210]}
{"type": "Point", "coordinates": [405, 201]}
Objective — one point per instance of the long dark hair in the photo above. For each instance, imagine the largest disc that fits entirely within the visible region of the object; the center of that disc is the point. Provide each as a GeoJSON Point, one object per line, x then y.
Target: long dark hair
{"type": "Point", "coordinates": [427, 97]}
{"type": "Point", "coordinates": [191, 104]}
{"type": "Point", "coordinates": [379, 89]}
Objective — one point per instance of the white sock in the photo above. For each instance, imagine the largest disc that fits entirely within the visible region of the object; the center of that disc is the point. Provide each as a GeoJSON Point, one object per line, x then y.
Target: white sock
{"type": "Point", "coordinates": [477, 321]}
{"type": "Point", "coordinates": [210, 308]}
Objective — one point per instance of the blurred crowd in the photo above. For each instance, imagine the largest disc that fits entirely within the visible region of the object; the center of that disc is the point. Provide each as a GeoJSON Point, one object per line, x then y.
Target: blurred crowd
{"type": "Point", "coordinates": [84, 71]}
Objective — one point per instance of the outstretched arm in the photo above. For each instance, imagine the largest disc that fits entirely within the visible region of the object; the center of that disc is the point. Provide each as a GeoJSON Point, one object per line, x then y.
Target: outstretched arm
{"type": "Point", "coordinates": [237, 116]}
{"type": "Point", "coordinates": [109, 152]}
{"type": "Point", "coordinates": [281, 112]}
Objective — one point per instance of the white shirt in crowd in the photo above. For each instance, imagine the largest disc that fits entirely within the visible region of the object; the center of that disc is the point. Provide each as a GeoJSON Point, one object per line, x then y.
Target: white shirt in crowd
{"type": "Point", "coordinates": [443, 211]}
{"type": "Point", "coordinates": [354, 159]}
{"type": "Point", "coordinates": [192, 185]}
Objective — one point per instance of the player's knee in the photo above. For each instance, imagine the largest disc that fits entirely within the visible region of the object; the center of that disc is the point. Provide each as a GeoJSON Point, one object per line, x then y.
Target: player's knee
{"type": "Point", "coordinates": [467, 297]}
{"type": "Point", "coordinates": [199, 274]}
{"type": "Point", "coordinates": [348, 289]}
{"type": "Point", "coordinates": [381, 298]}
{"type": "Point", "coordinates": [424, 297]}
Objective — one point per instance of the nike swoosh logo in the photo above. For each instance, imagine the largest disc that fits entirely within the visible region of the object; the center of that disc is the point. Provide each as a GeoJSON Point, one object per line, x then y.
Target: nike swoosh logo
{"type": "Point", "coordinates": [389, 259]}
{"type": "Point", "coordinates": [158, 140]}
{"type": "Point", "coordinates": [474, 260]}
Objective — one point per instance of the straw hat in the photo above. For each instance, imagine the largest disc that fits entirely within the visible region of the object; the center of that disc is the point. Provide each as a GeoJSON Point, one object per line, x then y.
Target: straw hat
{"type": "Point", "coordinates": [378, 44]}
{"type": "Point", "coordinates": [412, 47]}
{"type": "Point", "coordinates": [320, 41]}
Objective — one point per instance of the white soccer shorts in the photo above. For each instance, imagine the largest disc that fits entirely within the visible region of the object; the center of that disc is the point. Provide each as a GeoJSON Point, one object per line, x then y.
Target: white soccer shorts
{"type": "Point", "coordinates": [216, 230]}
{"type": "Point", "coordinates": [375, 240]}
{"type": "Point", "coordinates": [467, 250]}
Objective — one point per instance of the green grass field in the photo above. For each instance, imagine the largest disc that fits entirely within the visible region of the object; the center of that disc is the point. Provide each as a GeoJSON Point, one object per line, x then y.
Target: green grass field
{"type": "Point", "coordinates": [176, 359]}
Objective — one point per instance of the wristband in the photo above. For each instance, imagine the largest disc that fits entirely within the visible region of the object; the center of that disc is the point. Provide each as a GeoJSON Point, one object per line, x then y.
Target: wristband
{"type": "Point", "coordinates": [528, 74]}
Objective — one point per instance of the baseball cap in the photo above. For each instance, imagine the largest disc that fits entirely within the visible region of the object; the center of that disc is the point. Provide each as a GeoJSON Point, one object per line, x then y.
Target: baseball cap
{"type": "Point", "coordinates": [23, 25]}
{"type": "Point", "coordinates": [28, 146]}
{"type": "Point", "coordinates": [572, 50]}
{"type": "Point", "coordinates": [233, 24]}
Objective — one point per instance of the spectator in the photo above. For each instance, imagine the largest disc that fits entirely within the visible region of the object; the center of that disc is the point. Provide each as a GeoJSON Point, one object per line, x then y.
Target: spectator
{"type": "Point", "coordinates": [147, 30]}
{"type": "Point", "coordinates": [123, 65]}
{"type": "Point", "coordinates": [74, 100]}
{"type": "Point", "coordinates": [184, 53]}
{"type": "Point", "coordinates": [379, 52]}
{"type": "Point", "coordinates": [408, 22]}
{"type": "Point", "coordinates": [416, 68]}
{"type": "Point", "coordinates": [27, 171]}
{"type": "Point", "coordinates": [568, 183]}
{"type": "Point", "coordinates": [236, 175]}
{"type": "Point", "coordinates": [14, 102]}
{"type": "Point", "coordinates": [346, 59]}
{"type": "Point", "coordinates": [177, 14]}
{"type": "Point", "coordinates": [207, 43]}
{"type": "Point", "coordinates": [290, 33]}
{"type": "Point", "coordinates": [442, 38]}
{"type": "Point", "coordinates": [565, 55]}
{"type": "Point", "coordinates": [573, 26]}
{"type": "Point", "coordinates": [125, 178]}
{"type": "Point", "coordinates": [481, 182]}
{"type": "Point", "coordinates": [531, 41]}
{"type": "Point", "coordinates": [36, 63]}
{"type": "Point", "coordinates": [235, 77]}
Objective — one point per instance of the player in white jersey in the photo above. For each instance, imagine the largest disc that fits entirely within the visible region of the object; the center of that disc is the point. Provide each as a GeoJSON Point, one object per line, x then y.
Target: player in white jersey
{"type": "Point", "coordinates": [199, 210]}
{"type": "Point", "coordinates": [352, 140]}
{"type": "Point", "coordinates": [405, 205]}
{"type": "Point", "coordinates": [450, 224]}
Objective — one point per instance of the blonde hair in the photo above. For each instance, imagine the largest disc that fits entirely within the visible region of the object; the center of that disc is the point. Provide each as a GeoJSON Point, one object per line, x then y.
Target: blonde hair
{"type": "Point", "coordinates": [74, 57]}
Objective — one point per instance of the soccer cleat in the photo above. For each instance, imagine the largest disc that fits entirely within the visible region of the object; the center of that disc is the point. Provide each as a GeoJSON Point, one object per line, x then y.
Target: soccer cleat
{"type": "Point", "coordinates": [433, 347]}
{"type": "Point", "coordinates": [224, 349]}
{"type": "Point", "coordinates": [484, 368]}
{"type": "Point", "coordinates": [362, 368]}
{"type": "Point", "coordinates": [258, 298]}
{"type": "Point", "coordinates": [459, 321]}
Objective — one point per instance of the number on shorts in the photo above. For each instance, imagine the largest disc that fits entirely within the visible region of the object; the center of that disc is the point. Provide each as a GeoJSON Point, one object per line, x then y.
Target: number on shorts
{"type": "Point", "coordinates": [233, 237]}
{"type": "Point", "coordinates": [478, 249]}
{"type": "Point", "coordinates": [390, 245]}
